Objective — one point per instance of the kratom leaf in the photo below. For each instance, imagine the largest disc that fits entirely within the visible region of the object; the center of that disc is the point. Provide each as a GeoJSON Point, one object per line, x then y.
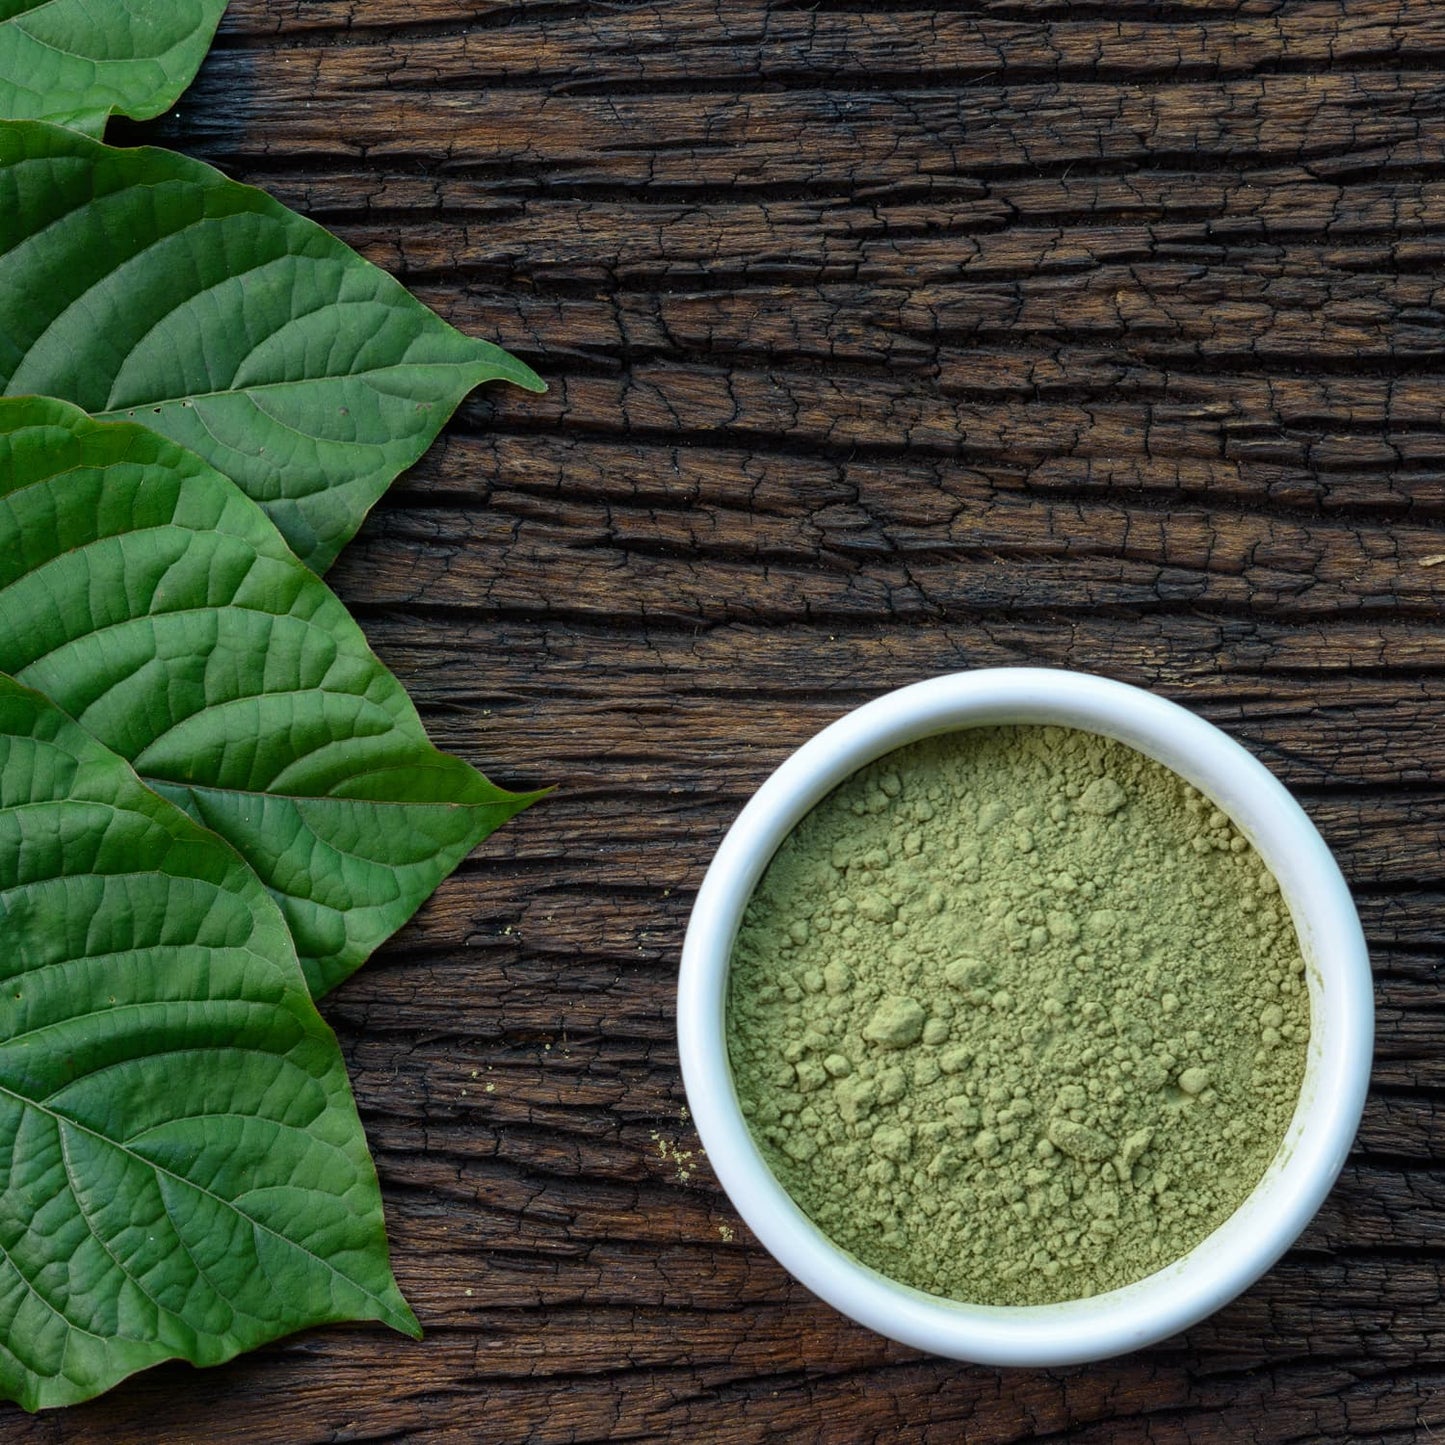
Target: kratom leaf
{"type": "Point", "coordinates": [147, 596]}
{"type": "Point", "coordinates": [184, 1174]}
{"type": "Point", "coordinates": [141, 285]}
{"type": "Point", "coordinates": [76, 62]}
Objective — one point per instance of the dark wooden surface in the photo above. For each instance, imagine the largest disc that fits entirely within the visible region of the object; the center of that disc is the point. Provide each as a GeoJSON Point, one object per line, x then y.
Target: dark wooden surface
{"type": "Point", "coordinates": [883, 340]}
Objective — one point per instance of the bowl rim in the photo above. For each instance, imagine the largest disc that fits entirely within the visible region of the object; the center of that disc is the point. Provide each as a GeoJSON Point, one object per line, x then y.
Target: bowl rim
{"type": "Point", "coordinates": [1337, 1068]}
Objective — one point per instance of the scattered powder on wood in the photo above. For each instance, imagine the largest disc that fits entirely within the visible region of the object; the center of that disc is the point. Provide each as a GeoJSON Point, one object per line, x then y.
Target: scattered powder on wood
{"type": "Point", "coordinates": [1016, 1015]}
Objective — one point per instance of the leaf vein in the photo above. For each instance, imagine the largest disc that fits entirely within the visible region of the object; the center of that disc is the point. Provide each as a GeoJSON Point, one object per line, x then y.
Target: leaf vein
{"type": "Point", "coordinates": [160, 1169]}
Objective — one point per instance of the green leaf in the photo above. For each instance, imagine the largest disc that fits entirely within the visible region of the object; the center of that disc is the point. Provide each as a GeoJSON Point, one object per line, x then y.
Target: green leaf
{"type": "Point", "coordinates": [76, 62]}
{"type": "Point", "coordinates": [149, 598]}
{"type": "Point", "coordinates": [182, 1170]}
{"type": "Point", "coordinates": [141, 285]}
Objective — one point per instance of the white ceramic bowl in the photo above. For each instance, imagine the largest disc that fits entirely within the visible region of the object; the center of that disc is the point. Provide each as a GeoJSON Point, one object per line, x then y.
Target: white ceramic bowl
{"type": "Point", "coordinates": [1336, 1072]}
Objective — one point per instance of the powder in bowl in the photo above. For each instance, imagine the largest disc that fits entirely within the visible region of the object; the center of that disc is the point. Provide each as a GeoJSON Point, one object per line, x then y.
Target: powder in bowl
{"type": "Point", "coordinates": [1016, 1015]}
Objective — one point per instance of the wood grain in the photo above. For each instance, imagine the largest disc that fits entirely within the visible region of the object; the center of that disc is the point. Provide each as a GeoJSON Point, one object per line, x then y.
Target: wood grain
{"type": "Point", "coordinates": [883, 340]}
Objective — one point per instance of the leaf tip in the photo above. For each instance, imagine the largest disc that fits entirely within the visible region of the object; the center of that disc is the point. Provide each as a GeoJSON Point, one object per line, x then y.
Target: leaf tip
{"type": "Point", "coordinates": [403, 1320]}
{"type": "Point", "coordinates": [528, 379]}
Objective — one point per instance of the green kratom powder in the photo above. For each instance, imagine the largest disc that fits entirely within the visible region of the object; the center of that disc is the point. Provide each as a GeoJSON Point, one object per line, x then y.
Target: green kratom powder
{"type": "Point", "coordinates": [1017, 1016]}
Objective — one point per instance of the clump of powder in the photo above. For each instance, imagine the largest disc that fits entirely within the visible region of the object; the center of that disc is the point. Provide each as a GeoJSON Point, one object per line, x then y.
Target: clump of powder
{"type": "Point", "coordinates": [1016, 1015]}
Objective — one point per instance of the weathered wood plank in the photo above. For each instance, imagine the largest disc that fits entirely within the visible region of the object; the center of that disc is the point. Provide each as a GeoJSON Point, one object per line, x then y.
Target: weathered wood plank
{"type": "Point", "coordinates": [692, 567]}
{"type": "Point", "coordinates": [856, 142]}
{"type": "Point", "coordinates": [841, 1382]}
{"type": "Point", "coordinates": [991, 410]}
{"type": "Point", "coordinates": [353, 18]}
{"type": "Point", "coordinates": [1179, 315]}
{"type": "Point", "coordinates": [775, 480]}
{"type": "Point", "coordinates": [1073, 216]}
{"type": "Point", "coordinates": [575, 47]}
